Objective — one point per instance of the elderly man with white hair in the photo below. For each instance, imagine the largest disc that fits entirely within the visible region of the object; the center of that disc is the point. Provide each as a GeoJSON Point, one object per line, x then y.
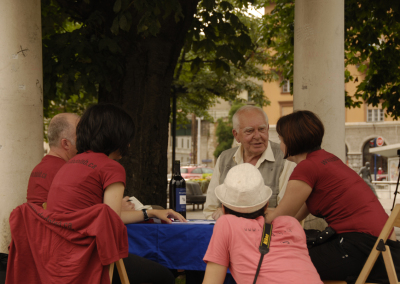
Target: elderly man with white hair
{"type": "Point", "coordinates": [250, 129]}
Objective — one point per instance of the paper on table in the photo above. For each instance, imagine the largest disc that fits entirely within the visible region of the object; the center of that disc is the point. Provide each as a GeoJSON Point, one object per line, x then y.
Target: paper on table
{"type": "Point", "coordinates": [139, 205]}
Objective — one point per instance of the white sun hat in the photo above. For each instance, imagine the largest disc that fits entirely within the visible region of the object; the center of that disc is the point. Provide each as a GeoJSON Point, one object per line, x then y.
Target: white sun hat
{"type": "Point", "coordinates": [243, 190]}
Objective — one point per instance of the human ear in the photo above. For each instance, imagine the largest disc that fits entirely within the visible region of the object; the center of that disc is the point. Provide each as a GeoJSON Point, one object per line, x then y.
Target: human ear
{"type": "Point", "coordinates": [65, 143]}
{"type": "Point", "coordinates": [235, 134]}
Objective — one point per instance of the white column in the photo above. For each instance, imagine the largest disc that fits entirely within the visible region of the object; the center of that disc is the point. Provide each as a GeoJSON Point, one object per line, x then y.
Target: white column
{"type": "Point", "coordinates": [319, 67]}
{"type": "Point", "coordinates": [21, 107]}
{"type": "Point", "coordinates": [199, 139]}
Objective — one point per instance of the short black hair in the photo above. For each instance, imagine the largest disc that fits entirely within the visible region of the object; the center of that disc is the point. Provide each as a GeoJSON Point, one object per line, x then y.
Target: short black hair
{"type": "Point", "coordinates": [104, 128]}
{"type": "Point", "coordinates": [302, 132]}
{"type": "Point", "coordinates": [252, 215]}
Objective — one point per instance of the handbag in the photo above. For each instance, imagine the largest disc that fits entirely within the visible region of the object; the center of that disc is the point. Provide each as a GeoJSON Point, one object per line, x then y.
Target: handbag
{"type": "Point", "coordinates": [264, 246]}
{"type": "Point", "coordinates": [317, 237]}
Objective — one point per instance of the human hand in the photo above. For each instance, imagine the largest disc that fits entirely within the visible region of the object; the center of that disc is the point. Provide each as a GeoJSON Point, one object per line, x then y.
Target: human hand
{"type": "Point", "coordinates": [218, 213]}
{"type": "Point", "coordinates": [126, 204]}
{"type": "Point", "coordinates": [165, 215]}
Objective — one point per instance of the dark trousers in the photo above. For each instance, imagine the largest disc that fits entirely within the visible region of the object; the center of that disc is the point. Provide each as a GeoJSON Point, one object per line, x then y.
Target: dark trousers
{"type": "Point", "coordinates": [142, 270]}
{"type": "Point", "coordinates": [343, 257]}
{"type": "Point", "coordinates": [3, 267]}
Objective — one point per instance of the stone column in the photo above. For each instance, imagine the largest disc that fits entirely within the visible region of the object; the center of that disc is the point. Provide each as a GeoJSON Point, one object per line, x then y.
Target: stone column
{"type": "Point", "coordinates": [319, 67]}
{"type": "Point", "coordinates": [21, 107]}
{"type": "Point", "coordinates": [319, 73]}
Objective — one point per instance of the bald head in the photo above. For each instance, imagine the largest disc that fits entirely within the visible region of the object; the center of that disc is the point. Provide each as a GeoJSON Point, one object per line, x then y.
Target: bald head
{"type": "Point", "coordinates": [246, 110]}
{"type": "Point", "coordinates": [61, 126]}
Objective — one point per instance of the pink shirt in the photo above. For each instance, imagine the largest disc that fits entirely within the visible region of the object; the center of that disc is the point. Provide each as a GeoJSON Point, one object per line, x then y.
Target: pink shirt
{"type": "Point", "coordinates": [235, 243]}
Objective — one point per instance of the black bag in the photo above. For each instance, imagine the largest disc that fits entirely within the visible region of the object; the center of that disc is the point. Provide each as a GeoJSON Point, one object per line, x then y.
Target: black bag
{"type": "Point", "coordinates": [316, 237]}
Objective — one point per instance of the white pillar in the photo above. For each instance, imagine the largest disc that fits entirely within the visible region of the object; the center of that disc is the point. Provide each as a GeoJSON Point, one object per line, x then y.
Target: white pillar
{"type": "Point", "coordinates": [319, 67]}
{"type": "Point", "coordinates": [21, 107]}
{"type": "Point", "coordinates": [198, 139]}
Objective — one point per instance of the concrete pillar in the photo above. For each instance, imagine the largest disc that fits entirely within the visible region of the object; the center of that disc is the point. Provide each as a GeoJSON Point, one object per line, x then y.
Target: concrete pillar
{"type": "Point", "coordinates": [319, 67]}
{"type": "Point", "coordinates": [21, 107]}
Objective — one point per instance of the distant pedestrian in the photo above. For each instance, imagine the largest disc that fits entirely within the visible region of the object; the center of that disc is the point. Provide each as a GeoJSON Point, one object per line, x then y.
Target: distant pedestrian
{"type": "Point", "coordinates": [365, 173]}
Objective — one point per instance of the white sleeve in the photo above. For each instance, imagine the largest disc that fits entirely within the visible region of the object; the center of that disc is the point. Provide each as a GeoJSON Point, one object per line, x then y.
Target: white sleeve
{"type": "Point", "coordinates": [212, 202]}
{"type": "Point", "coordinates": [284, 178]}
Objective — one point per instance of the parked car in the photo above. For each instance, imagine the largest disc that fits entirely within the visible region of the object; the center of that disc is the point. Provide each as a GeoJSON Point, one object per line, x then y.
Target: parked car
{"type": "Point", "coordinates": [381, 177]}
{"type": "Point", "coordinates": [195, 172]}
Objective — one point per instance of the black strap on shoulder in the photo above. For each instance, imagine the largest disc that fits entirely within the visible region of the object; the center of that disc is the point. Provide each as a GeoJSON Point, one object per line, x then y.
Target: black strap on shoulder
{"type": "Point", "coordinates": [264, 246]}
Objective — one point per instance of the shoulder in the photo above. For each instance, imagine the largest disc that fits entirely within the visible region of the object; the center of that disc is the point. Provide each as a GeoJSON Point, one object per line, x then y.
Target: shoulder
{"type": "Point", "coordinates": [288, 226]}
{"type": "Point", "coordinates": [229, 152]}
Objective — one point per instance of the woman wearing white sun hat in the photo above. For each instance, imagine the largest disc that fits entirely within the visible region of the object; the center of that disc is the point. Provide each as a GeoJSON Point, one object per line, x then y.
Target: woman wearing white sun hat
{"type": "Point", "coordinates": [237, 235]}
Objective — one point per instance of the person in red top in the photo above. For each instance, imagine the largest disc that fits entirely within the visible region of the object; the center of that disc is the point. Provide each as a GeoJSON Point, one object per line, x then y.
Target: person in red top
{"type": "Point", "coordinates": [93, 176]}
{"type": "Point", "coordinates": [62, 141]}
{"type": "Point", "coordinates": [321, 184]}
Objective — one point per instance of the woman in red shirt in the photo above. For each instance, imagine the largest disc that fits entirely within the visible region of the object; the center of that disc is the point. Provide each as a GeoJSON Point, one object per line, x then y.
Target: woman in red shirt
{"type": "Point", "coordinates": [321, 184]}
{"type": "Point", "coordinates": [93, 176]}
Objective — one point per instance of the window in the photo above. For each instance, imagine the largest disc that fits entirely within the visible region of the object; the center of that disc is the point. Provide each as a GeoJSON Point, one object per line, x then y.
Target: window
{"type": "Point", "coordinates": [184, 170]}
{"type": "Point", "coordinates": [286, 107]}
{"type": "Point", "coordinates": [207, 171]}
{"type": "Point", "coordinates": [375, 115]}
{"type": "Point", "coordinates": [188, 146]}
{"type": "Point", "coordinates": [286, 87]}
{"type": "Point", "coordinates": [197, 171]}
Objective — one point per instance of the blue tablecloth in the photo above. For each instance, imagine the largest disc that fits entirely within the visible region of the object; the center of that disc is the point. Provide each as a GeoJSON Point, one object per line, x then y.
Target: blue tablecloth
{"type": "Point", "coordinates": [176, 246]}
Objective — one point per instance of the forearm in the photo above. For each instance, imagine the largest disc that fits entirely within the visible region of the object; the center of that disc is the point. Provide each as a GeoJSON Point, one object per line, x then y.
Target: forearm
{"type": "Point", "coordinates": [303, 213]}
{"type": "Point", "coordinates": [215, 273]}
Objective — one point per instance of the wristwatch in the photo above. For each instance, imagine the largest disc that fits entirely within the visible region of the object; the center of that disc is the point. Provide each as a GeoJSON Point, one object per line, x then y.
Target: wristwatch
{"type": "Point", "coordinates": [146, 217]}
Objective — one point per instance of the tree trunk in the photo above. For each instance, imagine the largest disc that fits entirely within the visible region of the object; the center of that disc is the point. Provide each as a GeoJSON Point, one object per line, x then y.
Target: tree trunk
{"type": "Point", "coordinates": [145, 94]}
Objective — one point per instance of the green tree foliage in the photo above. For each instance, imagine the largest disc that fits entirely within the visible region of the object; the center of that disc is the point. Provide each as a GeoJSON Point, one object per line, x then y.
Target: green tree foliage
{"type": "Point", "coordinates": [224, 130]}
{"type": "Point", "coordinates": [372, 42]}
{"type": "Point", "coordinates": [126, 52]}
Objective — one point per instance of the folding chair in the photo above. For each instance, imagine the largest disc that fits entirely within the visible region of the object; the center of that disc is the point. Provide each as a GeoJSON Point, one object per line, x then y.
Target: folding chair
{"type": "Point", "coordinates": [380, 247]}
{"type": "Point", "coordinates": [121, 271]}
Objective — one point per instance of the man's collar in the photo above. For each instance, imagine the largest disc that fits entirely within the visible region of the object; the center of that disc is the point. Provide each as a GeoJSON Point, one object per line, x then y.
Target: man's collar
{"type": "Point", "coordinates": [266, 155]}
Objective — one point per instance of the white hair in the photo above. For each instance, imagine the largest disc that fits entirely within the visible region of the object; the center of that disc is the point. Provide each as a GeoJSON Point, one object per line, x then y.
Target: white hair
{"type": "Point", "coordinates": [60, 127]}
{"type": "Point", "coordinates": [248, 108]}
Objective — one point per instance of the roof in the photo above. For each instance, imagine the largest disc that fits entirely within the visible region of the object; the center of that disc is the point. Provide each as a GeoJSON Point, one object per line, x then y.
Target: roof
{"type": "Point", "coordinates": [387, 151]}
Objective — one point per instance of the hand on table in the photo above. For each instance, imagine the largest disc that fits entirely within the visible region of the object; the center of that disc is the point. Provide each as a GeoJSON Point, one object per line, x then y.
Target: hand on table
{"type": "Point", "coordinates": [165, 215]}
{"type": "Point", "coordinates": [218, 213]}
{"type": "Point", "coordinates": [126, 204]}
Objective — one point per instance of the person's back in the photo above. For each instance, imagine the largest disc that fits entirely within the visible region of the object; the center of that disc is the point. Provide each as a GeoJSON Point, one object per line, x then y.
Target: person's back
{"type": "Point", "coordinates": [238, 233]}
{"type": "Point", "coordinates": [235, 244]}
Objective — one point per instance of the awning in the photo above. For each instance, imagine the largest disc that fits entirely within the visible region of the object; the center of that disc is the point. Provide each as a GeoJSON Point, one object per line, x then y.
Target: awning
{"type": "Point", "coordinates": [387, 151]}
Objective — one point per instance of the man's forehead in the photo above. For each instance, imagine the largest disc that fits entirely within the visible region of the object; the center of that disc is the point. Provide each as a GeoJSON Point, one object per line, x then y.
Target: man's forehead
{"type": "Point", "coordinates": [252, 127]}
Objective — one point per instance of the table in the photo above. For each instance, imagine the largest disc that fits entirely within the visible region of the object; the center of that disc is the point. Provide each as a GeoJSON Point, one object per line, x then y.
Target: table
{"type": "Point", "coordinates": [176, 246]}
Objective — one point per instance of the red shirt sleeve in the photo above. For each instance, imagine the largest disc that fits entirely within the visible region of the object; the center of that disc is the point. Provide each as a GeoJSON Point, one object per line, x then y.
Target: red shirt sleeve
{"type": "Point", "coordinates": [111, 173]}
{"type": "Point", "coordinates": [305, 171]}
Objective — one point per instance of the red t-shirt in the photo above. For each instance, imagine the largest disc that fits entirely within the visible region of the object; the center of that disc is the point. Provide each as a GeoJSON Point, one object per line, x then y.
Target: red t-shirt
{"type": "Point", "coordinates": [82, 181]}
{"type": "Point", "coordinates": [41, 178]}
{"type": "Point", "coordinates": [340, 195]}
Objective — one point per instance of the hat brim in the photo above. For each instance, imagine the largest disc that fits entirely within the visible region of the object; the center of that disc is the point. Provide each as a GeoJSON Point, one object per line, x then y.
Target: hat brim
{"type": "Point", "coordinates": [220, 191]}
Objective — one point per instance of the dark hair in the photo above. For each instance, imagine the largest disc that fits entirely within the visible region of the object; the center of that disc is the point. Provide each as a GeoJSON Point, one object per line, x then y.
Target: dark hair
{"type": "Point", "coordinates": [104, 128]}
{"type": "Point", "coordinates": [302, 132]}
{"type": "Point", "coordinates": [252, 215]}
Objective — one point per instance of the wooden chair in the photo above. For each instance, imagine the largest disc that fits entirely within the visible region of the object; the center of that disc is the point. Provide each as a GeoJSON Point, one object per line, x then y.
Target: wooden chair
{"type": "Point", "coordinates": [380, 247]}
{"type": "Point", "coordinates": [121, 271]}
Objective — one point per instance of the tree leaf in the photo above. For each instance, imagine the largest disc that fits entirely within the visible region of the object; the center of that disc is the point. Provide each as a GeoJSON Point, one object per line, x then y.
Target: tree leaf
{"type": "Point", "coordinates": [117, 6]}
